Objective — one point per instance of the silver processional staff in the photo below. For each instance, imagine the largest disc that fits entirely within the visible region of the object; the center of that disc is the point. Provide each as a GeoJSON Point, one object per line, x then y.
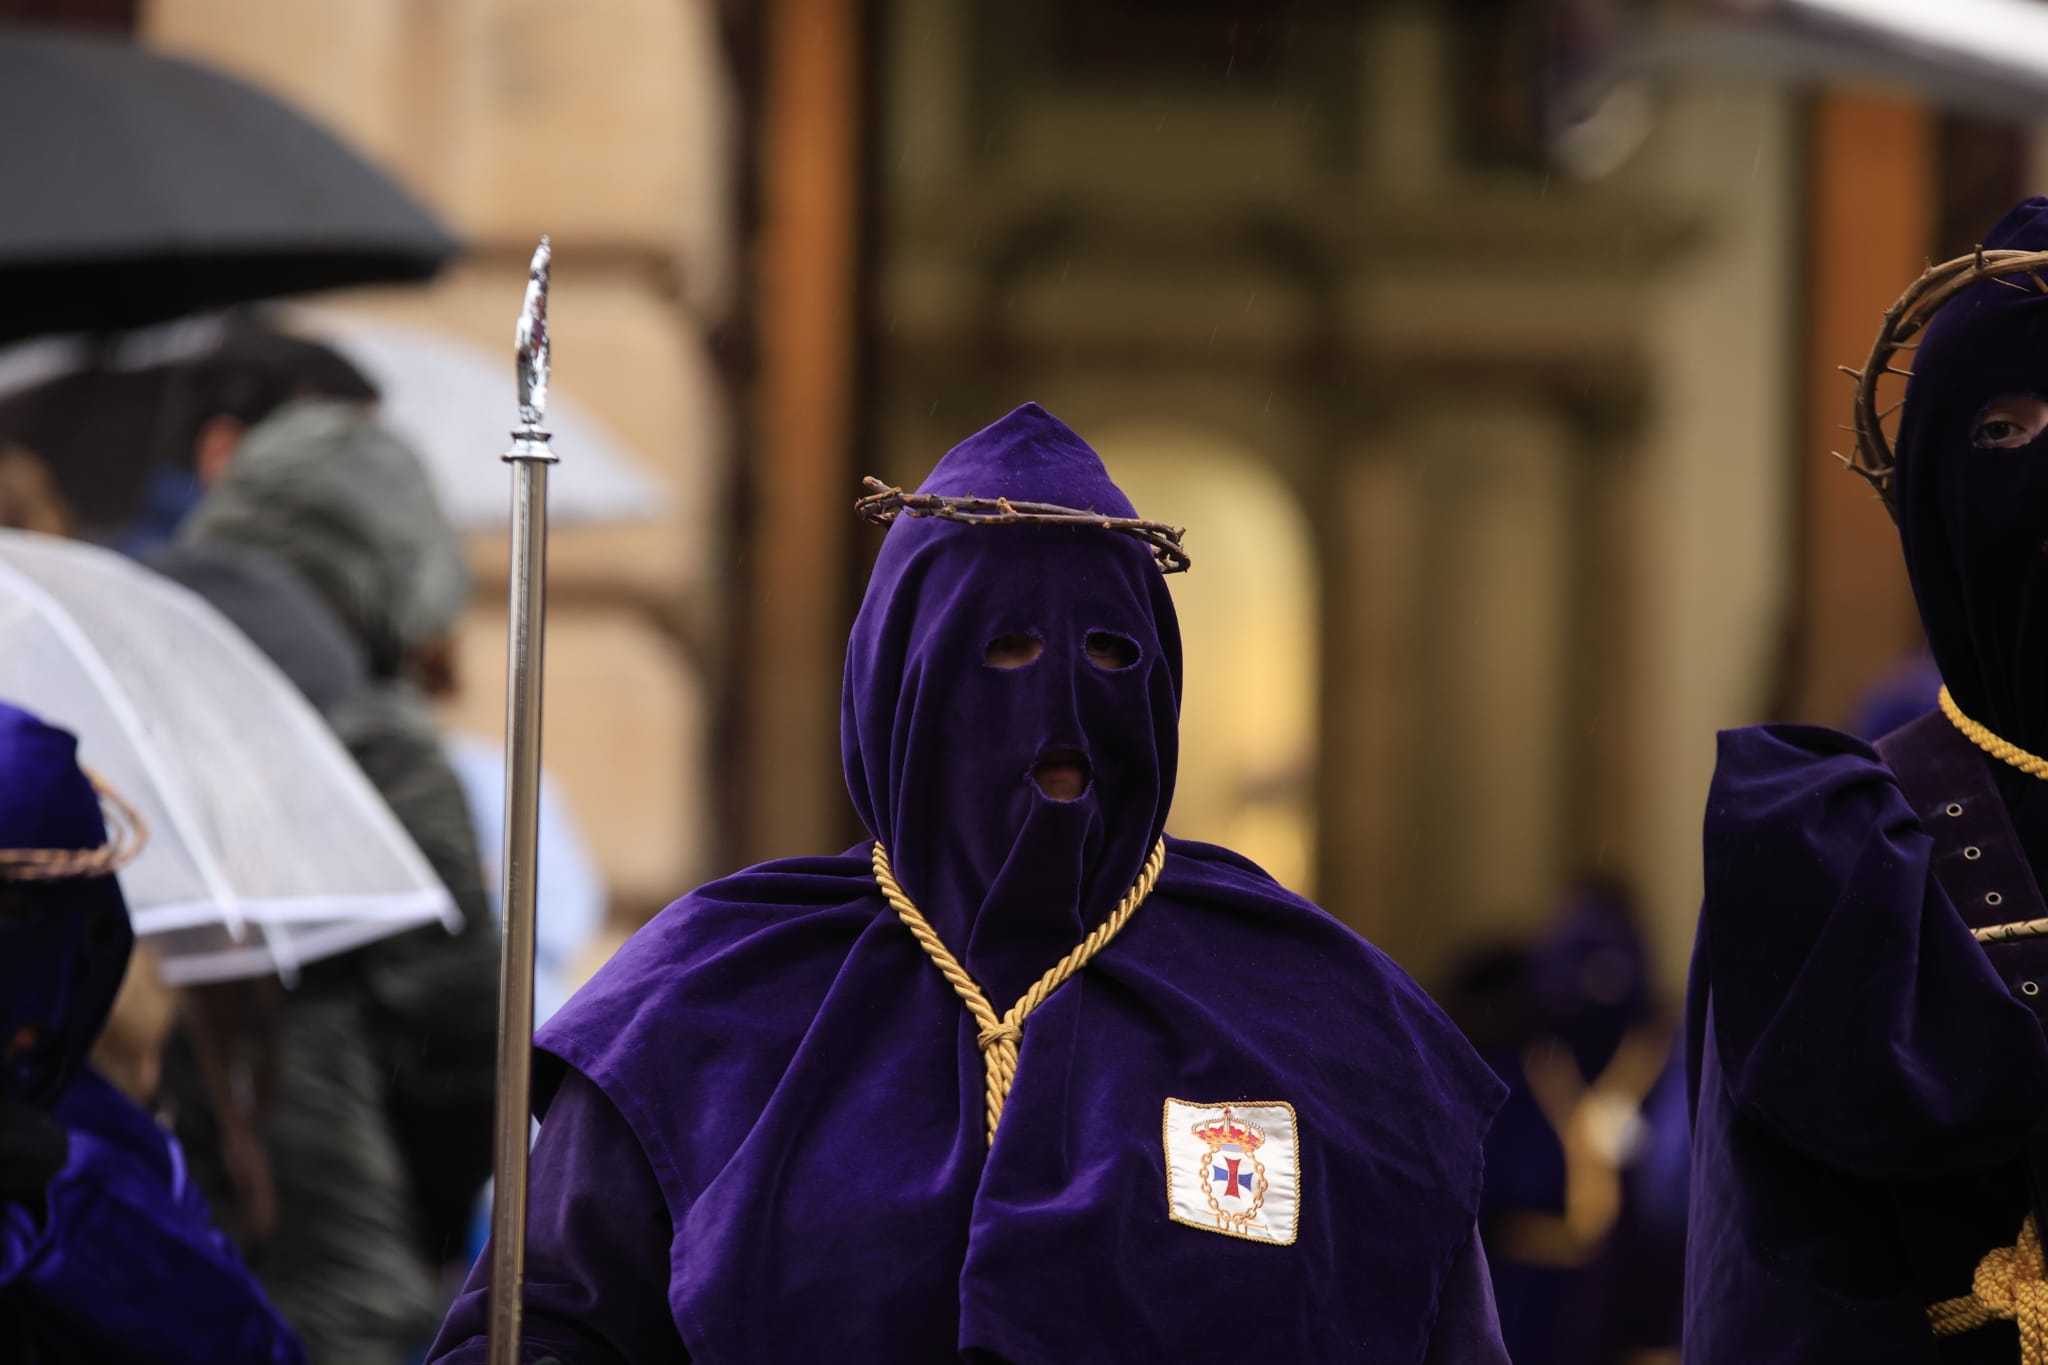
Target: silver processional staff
{"type": "Point", "coordinates": [529, 457]}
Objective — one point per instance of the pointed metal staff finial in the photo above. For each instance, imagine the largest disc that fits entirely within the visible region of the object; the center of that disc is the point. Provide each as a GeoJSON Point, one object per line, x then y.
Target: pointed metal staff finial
{"type": "Point", "coordinates": [532, 338]}
{"type": "Point", "coordinates": [535, 349]}
{"type": "Point", "coordinates": [529, 455]}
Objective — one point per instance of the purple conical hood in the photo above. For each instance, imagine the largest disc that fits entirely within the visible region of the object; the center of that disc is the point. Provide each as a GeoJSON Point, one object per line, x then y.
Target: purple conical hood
{"type": "Point", "coordinates": [939, 745]}
{"type": "Point", "coordinates": [1973, 520]}
{"type": "Point", "coordinates": [1029, 456]}
{"type": "Point", "coordinates": [64, 944]}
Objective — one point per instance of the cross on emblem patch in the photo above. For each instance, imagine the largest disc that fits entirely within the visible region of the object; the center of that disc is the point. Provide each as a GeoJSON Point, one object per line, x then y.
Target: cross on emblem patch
{"type": "Point", "coordinates": [1234, 1168]}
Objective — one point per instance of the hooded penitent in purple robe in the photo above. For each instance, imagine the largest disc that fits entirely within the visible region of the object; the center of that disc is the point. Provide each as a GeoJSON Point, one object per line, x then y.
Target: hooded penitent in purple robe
{"type": "Point", "coordinates": [1584, 1209]}
{"type": "Point", "coordinates": [1870, 1083]}
{"type": "Point", "coordinates": [763, 1128]}
{"type": "Point", "coordinates": [106, 1250]}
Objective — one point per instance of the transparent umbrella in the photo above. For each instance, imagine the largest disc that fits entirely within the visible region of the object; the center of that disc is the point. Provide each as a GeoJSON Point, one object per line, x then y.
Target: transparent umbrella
{"type": "Point", "coordinates": [267, 847]}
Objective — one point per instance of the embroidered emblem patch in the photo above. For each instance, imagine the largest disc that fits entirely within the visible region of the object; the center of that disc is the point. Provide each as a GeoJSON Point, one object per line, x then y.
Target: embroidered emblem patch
{"type": "Point", "coordinates": [1234, 1168]}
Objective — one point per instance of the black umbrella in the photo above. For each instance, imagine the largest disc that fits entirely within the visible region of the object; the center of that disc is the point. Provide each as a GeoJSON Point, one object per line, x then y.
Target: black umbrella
{"type": "Point", "coordinates": [139, 187]}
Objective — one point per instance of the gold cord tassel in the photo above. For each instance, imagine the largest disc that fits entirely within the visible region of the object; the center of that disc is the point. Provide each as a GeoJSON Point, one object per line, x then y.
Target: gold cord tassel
{"type": "Point", "coordinates": [1000, 1037]}
{"type": "Point", "coordinates": [2010, 1286]}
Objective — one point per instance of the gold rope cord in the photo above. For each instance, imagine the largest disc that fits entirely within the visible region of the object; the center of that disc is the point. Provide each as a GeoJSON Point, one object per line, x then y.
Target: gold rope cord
{"type": "Point", "coordinates": [1980, 735]}
{"type": "Point", "coordinates": [127, 832]}
{"type": "Point", "coordinates": [2009, 1286]}
{"type": "Point", "coordinates": [1000, 1037]}
{"type": "Point", "coordinates": [2011, 1283]}
{"type": "Point", "coordinates": [2005, 752]}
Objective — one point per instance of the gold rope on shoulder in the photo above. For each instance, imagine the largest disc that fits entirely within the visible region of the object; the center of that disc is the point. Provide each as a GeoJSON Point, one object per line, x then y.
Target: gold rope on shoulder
{"type": "Point", "coordinates": [1000, 1037]}
{"type": "Point", "coordinates": [1980, 735]}
{"type": "Point", "coordinates": [2009, 1286]}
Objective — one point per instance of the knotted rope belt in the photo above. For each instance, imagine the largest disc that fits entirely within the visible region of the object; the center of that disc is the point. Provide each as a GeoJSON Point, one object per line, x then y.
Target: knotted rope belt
{"type": "Point", "coordinates": [2010, 1285]}
{"type": "Point", "coordinates": [1000, 1037]}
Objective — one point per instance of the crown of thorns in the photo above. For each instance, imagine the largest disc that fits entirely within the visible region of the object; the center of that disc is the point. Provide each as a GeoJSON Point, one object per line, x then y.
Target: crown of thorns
{"type": "Point", "coordinates": [1903, 322]}
{"type": "Point", "coordinates": [886, 502]}
{"type": "Point", "coordinates": [126, 834]}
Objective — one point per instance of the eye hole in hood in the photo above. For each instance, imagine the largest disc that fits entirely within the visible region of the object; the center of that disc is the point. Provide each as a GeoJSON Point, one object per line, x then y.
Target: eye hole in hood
{"type": "Point", "coordinates": [2009, 423]}
{"type": "Point", "coordinates": [1012, 651]}
{"type": "Point", "coordinates": [1110, 652]}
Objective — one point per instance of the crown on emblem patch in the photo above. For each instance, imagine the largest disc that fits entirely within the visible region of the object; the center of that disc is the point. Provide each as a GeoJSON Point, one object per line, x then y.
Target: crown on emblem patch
{"type": "Point", "coordinates": [1229, 1131]}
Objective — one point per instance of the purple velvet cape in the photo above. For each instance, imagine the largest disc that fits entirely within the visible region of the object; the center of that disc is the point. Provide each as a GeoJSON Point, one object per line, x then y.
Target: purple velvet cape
{"type": "Point", "coordinates": [1868, 1081]}
{"type": "Point", "coordinates": [121, 1261]}
{"type": "Point", "coordinates": [776, 1062]}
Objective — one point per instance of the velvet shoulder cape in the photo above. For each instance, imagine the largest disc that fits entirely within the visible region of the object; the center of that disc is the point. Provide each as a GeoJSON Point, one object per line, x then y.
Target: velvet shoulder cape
{"type": "Point", "coordinates": [1866, 1079]}
{"type": "Point", "coordinates": [808, 1093]}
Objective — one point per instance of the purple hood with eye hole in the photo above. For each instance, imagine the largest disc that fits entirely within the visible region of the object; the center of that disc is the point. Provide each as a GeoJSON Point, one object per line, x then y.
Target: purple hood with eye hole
{"type": "Point", "coordinates": [1974, 523]}
{"type": "Point", "coordinates": [938, 745]}
{"type": "Point", "coordinates": [64, 945]}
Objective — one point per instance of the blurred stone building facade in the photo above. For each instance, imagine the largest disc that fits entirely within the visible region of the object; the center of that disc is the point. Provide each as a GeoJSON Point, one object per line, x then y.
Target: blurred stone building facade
{"type": "Point", "coordinates": [1484, 465]}
{"type": "Point", "coordinates": [614, 126]}
{"type": "Point", "coordinates": [1502, 453]}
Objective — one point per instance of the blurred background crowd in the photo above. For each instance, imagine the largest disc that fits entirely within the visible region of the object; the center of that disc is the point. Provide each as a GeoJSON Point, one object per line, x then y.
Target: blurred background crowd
{"type": "Point", "coordinates": [1487, 348]}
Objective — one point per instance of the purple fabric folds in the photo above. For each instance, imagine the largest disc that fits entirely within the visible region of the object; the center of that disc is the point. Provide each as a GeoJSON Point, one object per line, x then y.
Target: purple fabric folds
{"type": "Point", "coordinates": [775, 1055]}
{"type": "Point", "coordinates": [1867, 1080]}
{"type": "Point", "coordinates": [123, 1262]}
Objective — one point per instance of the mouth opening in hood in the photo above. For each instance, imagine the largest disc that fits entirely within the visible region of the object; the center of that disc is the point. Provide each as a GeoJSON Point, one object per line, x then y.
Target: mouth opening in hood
{"type": "Point", "coordinates": [1062, 774]}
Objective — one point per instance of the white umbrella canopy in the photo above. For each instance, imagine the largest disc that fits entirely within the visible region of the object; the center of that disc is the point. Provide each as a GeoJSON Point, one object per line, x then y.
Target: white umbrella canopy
{"type": "Point", "coordinates": [268, 848]}
{"type": "Point", "coordinates": [449, 398]}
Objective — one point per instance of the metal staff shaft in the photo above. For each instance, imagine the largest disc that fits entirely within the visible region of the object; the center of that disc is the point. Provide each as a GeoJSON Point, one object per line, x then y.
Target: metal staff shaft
{"type": "Point", "coordinates": [529, 457]}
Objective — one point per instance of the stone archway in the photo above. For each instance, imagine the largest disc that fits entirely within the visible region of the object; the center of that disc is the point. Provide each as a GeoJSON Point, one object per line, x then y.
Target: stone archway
{"type": "Point", "coordinates": [1249, 612]}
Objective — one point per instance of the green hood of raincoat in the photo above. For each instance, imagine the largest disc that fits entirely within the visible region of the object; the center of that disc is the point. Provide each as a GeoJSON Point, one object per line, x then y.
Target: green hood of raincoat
{"type": "Point", "coordinates": [325, 488]}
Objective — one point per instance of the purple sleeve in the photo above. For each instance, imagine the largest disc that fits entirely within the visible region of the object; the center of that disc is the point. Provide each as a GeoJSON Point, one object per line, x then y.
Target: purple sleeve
{"type": "Point", "coordinates": [597, 1248]}
{"type": "Point", "coordinates": [1467, 1330]}
{"type": "Point", "coordinates": [125, 1265]}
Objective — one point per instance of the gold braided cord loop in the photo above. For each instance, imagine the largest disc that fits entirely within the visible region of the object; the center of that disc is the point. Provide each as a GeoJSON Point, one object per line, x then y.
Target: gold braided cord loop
{"type": "Point", "coordinates": [2010, 1286]}
{"type": "Point", "coordinates": [999, 1038]}
{"type": "Point", "coordinates": [1980, 735]}
{"type": "Point", "coordinates": [127, 832]}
